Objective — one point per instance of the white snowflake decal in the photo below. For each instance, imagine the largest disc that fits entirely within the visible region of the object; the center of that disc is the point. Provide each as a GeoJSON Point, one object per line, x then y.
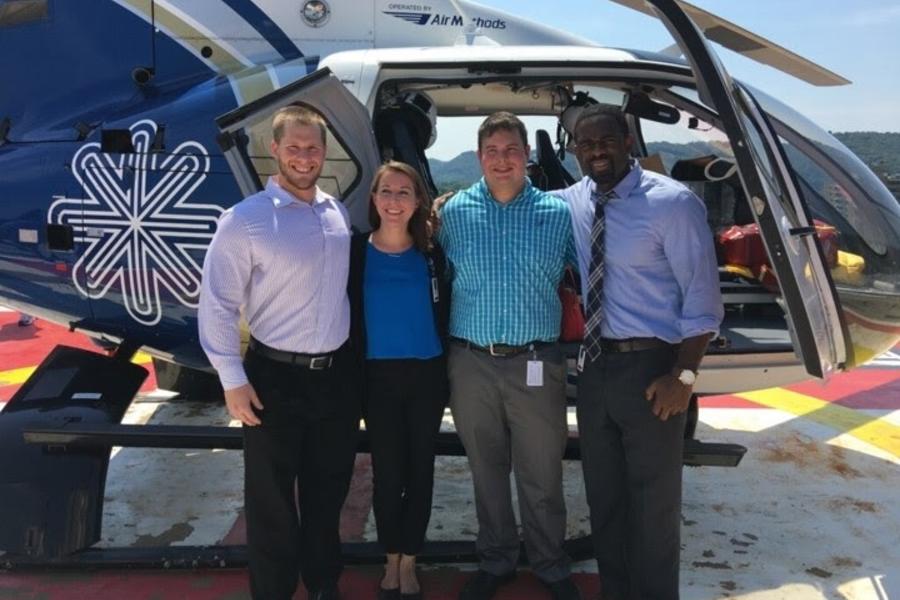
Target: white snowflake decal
{"type": "Point", "coordinates": [141, 232]}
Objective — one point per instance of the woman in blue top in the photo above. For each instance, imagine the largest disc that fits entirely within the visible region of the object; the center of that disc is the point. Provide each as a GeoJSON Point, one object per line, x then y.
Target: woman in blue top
{"type": "Point", "coordinates": [399, 302]}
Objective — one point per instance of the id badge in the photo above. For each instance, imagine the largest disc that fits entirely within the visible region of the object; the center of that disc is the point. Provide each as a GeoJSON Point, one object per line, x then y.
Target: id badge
{"type": "Point", "coordinates": [581, 355]}
{"type": "Point", "coordinates": [535, 374]}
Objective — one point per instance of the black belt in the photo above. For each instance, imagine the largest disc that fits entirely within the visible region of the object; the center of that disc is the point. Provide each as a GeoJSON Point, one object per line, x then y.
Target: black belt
{"type": "Point", "coordinates": [315, 362]}
{"type": "Point", "coordinates": [632, 344]}
{"type": "Point", "coordinates": [501, 350]}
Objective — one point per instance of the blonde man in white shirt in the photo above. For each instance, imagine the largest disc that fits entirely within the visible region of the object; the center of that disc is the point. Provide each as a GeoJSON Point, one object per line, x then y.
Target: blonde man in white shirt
{"type": "Point", "coordinates": [282, 255]}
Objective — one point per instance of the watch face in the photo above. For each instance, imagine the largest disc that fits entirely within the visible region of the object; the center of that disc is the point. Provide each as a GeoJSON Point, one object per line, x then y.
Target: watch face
{"type": "Point", "coordinates": [687, 377]}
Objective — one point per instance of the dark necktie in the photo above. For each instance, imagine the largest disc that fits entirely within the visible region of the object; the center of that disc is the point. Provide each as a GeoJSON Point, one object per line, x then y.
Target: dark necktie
{"type": "Point", "coordinates": [594, 305]}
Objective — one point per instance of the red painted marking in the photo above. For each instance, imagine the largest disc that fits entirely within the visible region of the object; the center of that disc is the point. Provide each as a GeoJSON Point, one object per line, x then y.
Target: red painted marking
{"type": "Point", "coordinates": [726, 401]}
{"type": "Point", "coordinates": [27, 346]}
{"type": "Point", "coordinates": [860, 388]}
{"type": "Point", "coordinates": [356, 583]}
{"type": "Point", "coordinates": [22, 347]}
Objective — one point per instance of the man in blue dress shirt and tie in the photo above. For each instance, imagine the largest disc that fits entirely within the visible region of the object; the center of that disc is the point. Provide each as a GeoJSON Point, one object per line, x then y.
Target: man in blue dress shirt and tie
{"type": "Point", "coordinates": [282, 255]}
{"type": "Point", "coordinates": [651, 293]}
{"type": "Point", "coordinates": [508, 243]}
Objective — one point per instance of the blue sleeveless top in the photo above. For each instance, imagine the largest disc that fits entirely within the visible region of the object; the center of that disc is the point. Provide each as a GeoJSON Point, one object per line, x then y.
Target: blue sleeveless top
{"type": "Point", "coordinates": [398, 306]}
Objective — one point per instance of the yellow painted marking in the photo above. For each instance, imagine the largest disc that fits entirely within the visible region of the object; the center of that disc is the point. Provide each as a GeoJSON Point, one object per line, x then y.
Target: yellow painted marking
{"type": "Point", "coordinates": [18, 376]}
{"type": "Point", "coordinates": [860, 425]}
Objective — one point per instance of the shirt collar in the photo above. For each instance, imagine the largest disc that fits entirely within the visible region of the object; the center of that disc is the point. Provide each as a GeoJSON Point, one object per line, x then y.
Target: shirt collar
{"type": "Point", "coordinates": [486, 192]}
{"type": "Point", "coordinates": [281, 197]}
{"type": "Point", "coordinates": [628, 183]}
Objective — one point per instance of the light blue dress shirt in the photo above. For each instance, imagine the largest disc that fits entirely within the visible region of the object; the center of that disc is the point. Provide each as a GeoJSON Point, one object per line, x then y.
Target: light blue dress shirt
{"type": "Point", "coordinates": [661, 278]}
{"type": "Point", "coordinates": [506, 263]}
{"type": "Point", "coordinates": [285, 263]}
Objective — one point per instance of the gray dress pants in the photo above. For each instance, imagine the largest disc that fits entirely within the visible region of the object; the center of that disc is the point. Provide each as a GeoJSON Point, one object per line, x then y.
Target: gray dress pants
{"type": "Point", "coordinates": [632, 475]}
{"type": "Point", "coordinates": [506, 425]}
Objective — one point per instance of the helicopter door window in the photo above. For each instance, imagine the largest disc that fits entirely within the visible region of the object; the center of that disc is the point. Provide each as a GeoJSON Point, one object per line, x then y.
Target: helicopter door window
{"type": "Point", "coordinates": [864, 263]}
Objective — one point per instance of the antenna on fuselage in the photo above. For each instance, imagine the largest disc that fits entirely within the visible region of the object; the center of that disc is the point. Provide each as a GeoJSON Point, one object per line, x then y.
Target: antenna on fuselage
{"type": "Point", "coordinates": [143, 75]}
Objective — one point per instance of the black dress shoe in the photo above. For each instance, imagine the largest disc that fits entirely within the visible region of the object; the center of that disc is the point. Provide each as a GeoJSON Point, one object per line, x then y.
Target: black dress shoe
{"type": "Point", "coordinates": [564, 589]}
{"type": "Point", "coordinates": [326, 593]}
{"type": "Point", "coordinates": [388, 594]}
{"type": "Point", "coordinates": [483, 585]}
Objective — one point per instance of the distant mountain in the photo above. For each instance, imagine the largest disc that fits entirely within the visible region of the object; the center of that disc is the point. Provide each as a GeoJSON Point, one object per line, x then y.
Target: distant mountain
{"type": "Point", "coordinates": [456, 173]}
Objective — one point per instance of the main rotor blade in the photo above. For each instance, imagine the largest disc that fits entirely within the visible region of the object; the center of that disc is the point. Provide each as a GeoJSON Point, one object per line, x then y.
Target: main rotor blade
{"type": "Point", "coordinates": [749, 44]}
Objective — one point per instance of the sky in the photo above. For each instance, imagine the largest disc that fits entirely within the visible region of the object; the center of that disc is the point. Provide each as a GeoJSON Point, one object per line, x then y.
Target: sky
{"type": "Point", "coordinates": [858, 40]}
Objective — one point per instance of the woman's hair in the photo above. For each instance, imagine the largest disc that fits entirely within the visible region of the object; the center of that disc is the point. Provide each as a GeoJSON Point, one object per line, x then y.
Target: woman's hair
{"type": "Point", "coordinates": [418, 225]}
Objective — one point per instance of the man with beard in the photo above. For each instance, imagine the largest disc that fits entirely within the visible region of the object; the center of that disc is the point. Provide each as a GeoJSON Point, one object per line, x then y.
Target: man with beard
{"type": "Point", "coordinates": [651, 294]}
{"type": "Point", "coordinates": [282, 256]}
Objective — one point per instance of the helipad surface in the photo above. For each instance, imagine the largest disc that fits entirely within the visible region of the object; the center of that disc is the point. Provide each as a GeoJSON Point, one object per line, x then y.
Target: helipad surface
{"type": "Point", "coordinates": [811, 512]}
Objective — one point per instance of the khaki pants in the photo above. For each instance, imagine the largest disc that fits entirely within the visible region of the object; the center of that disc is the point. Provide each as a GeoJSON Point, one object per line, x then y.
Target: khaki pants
{"type": "Point", "coordinates": [507, 426]}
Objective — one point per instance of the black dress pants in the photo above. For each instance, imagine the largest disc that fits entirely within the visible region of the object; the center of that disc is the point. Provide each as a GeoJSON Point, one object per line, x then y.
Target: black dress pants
{"type": "Point", "coordinates": [308, 438]}
{"type": "Point", "coordinates": [632, 465]}
{"type": "Point", "coordinates": [405, 402]}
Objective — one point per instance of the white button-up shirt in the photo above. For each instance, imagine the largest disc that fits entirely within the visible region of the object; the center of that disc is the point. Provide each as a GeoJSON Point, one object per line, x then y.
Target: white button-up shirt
{"type": "Point", "coordinates": [284, 263]}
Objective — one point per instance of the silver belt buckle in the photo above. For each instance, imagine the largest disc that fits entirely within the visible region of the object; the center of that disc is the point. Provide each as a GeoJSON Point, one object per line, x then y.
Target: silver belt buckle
{"type": "Point", "coordinates": [318, 363]}
{"type": "Point", "coordinates": [492, 353]}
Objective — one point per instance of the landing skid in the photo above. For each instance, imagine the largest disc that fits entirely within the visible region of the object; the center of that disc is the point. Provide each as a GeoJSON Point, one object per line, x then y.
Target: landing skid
{"type": "Point", "coordinates": [55, 438]}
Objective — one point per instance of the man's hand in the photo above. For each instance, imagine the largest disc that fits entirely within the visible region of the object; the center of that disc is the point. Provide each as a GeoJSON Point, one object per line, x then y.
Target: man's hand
{"type": "Point", "coordinates": [240, 402]}
{"type": "Point", "coordinates": [434, 221]}
{"type": "Point", "coordinates": [669, 396]}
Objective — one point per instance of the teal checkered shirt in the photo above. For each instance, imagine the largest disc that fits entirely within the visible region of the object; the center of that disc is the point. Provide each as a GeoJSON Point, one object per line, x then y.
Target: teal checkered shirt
{"type": "Point", "coordinates": [506, 263]}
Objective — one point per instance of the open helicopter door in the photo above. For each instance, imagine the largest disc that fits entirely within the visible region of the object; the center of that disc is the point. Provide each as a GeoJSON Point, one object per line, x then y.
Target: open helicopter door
{"type": "Point", "coordinates": [351, 157]}
{"type": "Point", "coordinates": [787, 230]}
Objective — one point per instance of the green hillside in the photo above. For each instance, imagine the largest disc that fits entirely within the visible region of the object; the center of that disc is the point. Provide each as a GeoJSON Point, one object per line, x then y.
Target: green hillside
{"type": "Point", "coordinates": [880, 151]}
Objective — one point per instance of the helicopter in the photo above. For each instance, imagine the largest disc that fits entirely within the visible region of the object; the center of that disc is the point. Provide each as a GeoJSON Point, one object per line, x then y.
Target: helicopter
{"type": "Point", "coordinates": [116, 169]}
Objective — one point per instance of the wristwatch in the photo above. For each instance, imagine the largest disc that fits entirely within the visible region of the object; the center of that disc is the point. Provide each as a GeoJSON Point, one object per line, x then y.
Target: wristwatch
{"type": "Point", "coordinates": [685, 376]}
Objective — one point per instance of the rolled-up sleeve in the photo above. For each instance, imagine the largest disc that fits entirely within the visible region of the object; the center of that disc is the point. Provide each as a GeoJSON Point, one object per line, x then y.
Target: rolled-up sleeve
{"type": "Point", "coordinates": [688, 245]}
{"type": "Point", "coordinates": [226, 275]}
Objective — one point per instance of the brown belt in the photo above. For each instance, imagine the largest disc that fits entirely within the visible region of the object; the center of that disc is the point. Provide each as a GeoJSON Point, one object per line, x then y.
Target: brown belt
{"type": "Point", "coordinates": [637, 344]}
{"type": "Point", "coordinates": [314, 362]}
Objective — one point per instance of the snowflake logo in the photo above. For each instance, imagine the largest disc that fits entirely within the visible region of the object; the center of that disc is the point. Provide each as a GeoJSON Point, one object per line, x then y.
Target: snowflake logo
{"type": "Point", "coordinates": [142, 235]}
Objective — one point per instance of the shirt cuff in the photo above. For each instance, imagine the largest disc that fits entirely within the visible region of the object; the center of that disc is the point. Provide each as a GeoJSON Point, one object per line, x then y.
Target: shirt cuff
{"type": "Point", "coordinates": [232, 374]}
{"type": "Point", "coordinates": [691, 329]}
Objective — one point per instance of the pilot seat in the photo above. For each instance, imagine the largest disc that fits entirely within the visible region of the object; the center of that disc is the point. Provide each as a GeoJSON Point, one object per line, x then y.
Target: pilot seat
{"type": "Point", "coordinates": [405, 128]}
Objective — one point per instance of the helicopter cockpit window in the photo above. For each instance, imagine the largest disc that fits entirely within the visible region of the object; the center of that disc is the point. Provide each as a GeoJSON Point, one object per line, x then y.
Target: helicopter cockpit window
{"type": "Point", "coordinates": [339, 173]}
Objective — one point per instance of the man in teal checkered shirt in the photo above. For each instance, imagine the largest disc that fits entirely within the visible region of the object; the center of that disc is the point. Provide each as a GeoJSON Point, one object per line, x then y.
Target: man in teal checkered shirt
{"type": "Point", "coordinates": [508, 244]}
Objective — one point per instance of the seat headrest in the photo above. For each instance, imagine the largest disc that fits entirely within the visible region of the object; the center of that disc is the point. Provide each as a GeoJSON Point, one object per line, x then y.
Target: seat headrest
{"type": "Point", "coordinates": [416, 111]}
